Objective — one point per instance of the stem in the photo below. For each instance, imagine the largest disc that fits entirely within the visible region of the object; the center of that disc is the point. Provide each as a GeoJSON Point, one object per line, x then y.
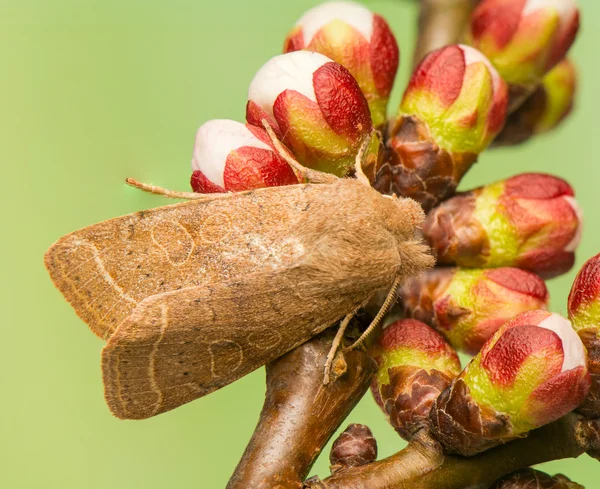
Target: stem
{"type": "Point", "coordinates": [421, 465]}
{"type": "Point", "coordinates": [441, 22]}
{"type": "Point", "coordinates": [300, 414]}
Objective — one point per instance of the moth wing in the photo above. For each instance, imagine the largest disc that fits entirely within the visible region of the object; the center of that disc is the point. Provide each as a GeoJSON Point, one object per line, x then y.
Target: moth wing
{"type": "Point", "coordinates": [105, 270]}
{"type": "Point", "coordinates": [179, 346]}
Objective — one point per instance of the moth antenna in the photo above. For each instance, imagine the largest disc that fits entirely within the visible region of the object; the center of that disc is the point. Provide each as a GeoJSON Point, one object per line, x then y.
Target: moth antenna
{"type": "Point", "coordinates": [171, 194]}
{"type": "Point", "coordinates": [358, 162]}
{"type": "Point", "coordinates": [335, 345]}
{"type": "Point", "coordinates": [307, 174]}
{"type": "Point", "coordinates": [389, 300]}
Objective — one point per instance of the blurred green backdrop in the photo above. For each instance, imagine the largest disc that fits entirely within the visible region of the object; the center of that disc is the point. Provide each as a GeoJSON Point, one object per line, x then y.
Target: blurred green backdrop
{"type": "Point", "coordinates": [93, 91]}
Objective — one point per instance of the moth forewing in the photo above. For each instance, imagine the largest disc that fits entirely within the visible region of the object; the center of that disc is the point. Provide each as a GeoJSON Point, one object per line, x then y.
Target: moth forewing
{"type": "Point", "coordinates": [212, 290]}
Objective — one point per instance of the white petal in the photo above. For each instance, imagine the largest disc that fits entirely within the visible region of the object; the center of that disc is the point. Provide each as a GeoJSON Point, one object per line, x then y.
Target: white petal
{"type": "Point", "coordinates": [214, 141]}
{"type": "Point", "coordinates": [572, 246]}
{"type": "Point", "coordinates": [354, 14]}
{"type": "Point", "coordinates": [565, 8]}
{"type": "Point", "coordinates": [574, 352]}
{"type": "Point", "coordinates": [473, 56]}
{"type": "Point", "coordinates": [291, 71]}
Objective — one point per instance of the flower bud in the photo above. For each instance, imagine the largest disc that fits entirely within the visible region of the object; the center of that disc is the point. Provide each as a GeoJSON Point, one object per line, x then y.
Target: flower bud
{"type": "Point", "coordinates": [415, 366]}
{"type": "Point", "coordinates": [316, 108]}
{"type": "Point", "coordinates": [584, 313]}
{"type": "Point", "coordinates": [454, 106]}
{"type": "Point", "coordinates": [546, 108]}
{"type": "Point", "coordinates": [534, 479]}
{"type": "Point", "coordinates": [531, 221]}
{"type": "Point", "coordinates": [468, 306]}
{"type": "Point", "coordinates": [524, 39]}
{"type": "Point", "coordinates": [231, 157]}
{"type": "Point", "coordinates": [356, 446]}
{"type": "Point", "coordinates": [531, 372]}
{"type": "Point", "coordinates": [359, 40]}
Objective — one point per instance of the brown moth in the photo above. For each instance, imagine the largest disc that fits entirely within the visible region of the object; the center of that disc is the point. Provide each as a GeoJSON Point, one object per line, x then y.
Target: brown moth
{"type": "Point", "coordinates": [192, 296]}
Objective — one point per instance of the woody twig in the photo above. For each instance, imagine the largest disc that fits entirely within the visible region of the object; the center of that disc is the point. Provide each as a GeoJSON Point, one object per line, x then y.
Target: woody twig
{"type": "Point", "coordinates": [441, 23]}
{"type": "Point", "coordinates": [300, 414]}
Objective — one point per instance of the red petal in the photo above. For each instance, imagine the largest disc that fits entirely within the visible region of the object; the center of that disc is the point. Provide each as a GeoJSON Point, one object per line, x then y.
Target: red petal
{"type": "Point", "coordinates": [559, 395]}
{"type": "Point", "coordinates": [517, 344]}
{"type": "Point", "coordinates": [519, 281]}
{"type": "Point", "coordinates": [255, 115]}
{"type": "Point", "coordinates": [537, 186]}
{"type": "Point", "coordinates": [586, 287]}
{"type": "Point", "coordinates": [412, 334]}
{"type": "Point", "coordinates": [203, 185]}
{"type": "Point", "coordinates": [548, 263]}
{"type": "Point", "coordinates": [442, 73]}
{"type": "Point", "coordinates": [385, 56]}
{"type": "Point", "coordinates": [563, 41]}
{"type": "Point", "coordinates": [294, 41]}
{"type": "Point", "coordinates": [341, 101]}
{"type": "Point", "coordinates": [498, 19]}
{"type": "Point", "coordinates": [248, 168]}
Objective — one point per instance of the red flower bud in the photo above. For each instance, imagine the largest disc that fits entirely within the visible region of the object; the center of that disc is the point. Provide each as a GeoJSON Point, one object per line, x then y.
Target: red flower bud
{"type": "Point", "coordinates": [524, 39]}
{"type": "Point", "coordinates": [454, 106]}
{"type": "Point", "coordinates": [532, 371]}
{"type": "Point", "coordinates": [415, 366]}
{"type": "Point", "coordinates": [468, 306]}
{"type": "Point", "coordinates": [231, 157]}
{"type": "Point", "coordinates": [316, 108]}
{"type": "Point", "coordinates": [359, 40]}
{"type": "Point", "coordinates": [531, 221]}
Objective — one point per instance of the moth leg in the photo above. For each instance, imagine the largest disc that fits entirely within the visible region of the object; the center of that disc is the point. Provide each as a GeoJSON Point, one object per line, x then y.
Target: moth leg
{"type": "Point", "coordinates": [358, 162]}
{"type": "Point", "coordinates": [172, 194]}
{"type": "Point", "coordinates": [335, 345]}
{"type": "Point", "coordinates": [389, 300]}
{"type": "Point", "coordinates": [307, 174]}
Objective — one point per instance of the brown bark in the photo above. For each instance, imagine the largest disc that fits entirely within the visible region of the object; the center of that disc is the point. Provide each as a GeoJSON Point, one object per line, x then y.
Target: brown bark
{"type": "Point", "coordinates": [422, 464]}
{"type": "Point", "coordinates": [300, 414]}
{"type": "Point", "coordinates": [441, 22]}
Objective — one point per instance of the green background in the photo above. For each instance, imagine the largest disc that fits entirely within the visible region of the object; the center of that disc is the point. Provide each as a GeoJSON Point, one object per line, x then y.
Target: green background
{"type": "Point", "coordinates": [94, 91]}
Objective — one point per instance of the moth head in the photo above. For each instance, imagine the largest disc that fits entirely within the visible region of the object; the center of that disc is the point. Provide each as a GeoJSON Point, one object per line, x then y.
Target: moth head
{"type": "Point", "coordinates": [403, 218]}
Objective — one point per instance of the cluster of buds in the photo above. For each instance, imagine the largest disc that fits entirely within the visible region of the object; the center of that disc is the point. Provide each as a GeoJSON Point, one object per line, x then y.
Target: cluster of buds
{"type": "Point", "coordinates": [584, 313]}
{"type": "Point", "coordinates": [534, 479]}
{"type": "Point", "coordinates": [531, 221]}
{"type": "Point", "coordinates": [545, 109]}
{"type": "Point", "coordinates": [524, 39]}
{"type": "Point", "coordinates": [230, 157]}
{"type": "Point", "coordinates": [359, 40]}
{"type": "Point", "coordinates": [468, 306]}
{"type": "Point", "coordinates": [356, 446]}
{"type": "Point", "coordinates": [532, 371]}
{"type": "Point", "coordinates": [454, 106]}
{"type": "Point", "coordinates": [415, 365]}
{"type": "Point", "coordinates": [316, 107]}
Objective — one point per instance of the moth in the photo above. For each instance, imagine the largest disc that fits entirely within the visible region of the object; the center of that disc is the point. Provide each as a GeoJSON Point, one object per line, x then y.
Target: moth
{"type": "Point", "coordinates": [190, 297]}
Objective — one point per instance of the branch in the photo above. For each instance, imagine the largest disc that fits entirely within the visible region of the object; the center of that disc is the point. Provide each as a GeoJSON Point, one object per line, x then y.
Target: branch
{"type": "Point", "coordinates": [421, 465]}
{"type": "Point", "coordinates": [441, 22]}
{"type": "Point", "coordinates": [300, 414]}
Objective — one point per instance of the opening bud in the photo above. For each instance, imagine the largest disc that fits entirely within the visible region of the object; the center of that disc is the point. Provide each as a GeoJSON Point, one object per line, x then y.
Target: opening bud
{"type": "Point", "coordinates": [230, 157]}
{"type": "Point", "coordinates": [531, 221]}
{"type": "Point", "coordinates": [468, 306]}
{"type": "Point", "coordinates": [359, 40]}
{"type": "Point", "coordinates": [454, 106]}
{"type": "Point", "coordinates": [415, 364]}
{"type": "Point", "coordinates": [316, 108]}
{"type": "Point", "coordinates": [531, 372]}
{"type": "Point", "coordinates": [524, 39]}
